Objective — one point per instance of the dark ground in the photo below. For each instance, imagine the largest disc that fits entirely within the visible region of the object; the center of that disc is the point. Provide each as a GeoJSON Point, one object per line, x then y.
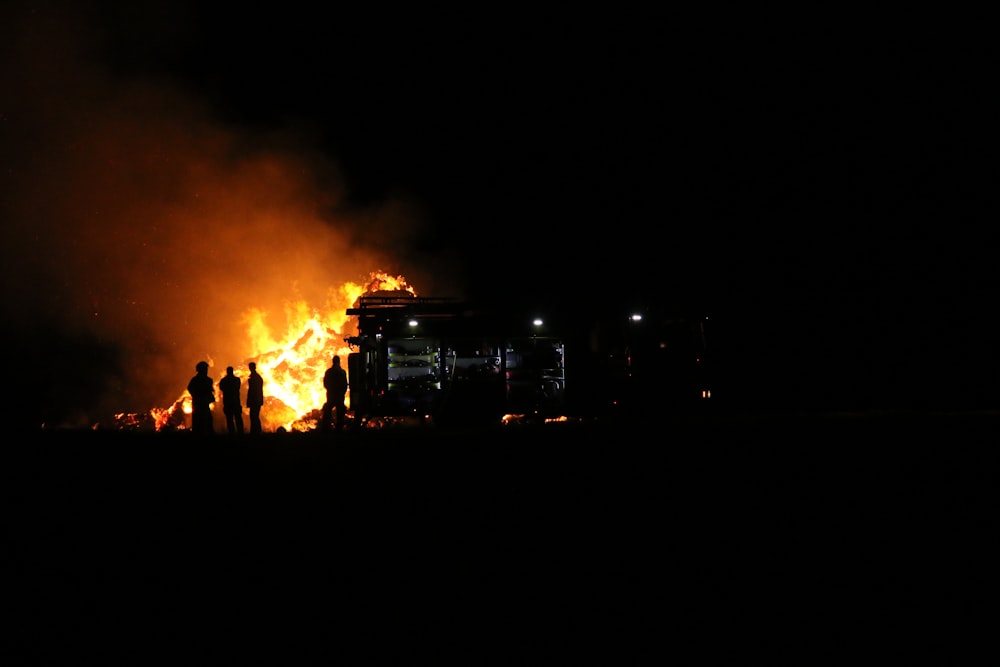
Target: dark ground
{"type": "Point", "coordinates": [696, 539]}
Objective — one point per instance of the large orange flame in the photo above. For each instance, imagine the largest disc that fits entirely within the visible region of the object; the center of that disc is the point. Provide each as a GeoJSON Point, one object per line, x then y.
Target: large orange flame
{"type": "Point", "coordinates": [292, 362]}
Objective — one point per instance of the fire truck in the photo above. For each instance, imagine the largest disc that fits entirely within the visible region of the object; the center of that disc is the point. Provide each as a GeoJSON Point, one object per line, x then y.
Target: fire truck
{"type": "Point", "coordinates": [449, 361]}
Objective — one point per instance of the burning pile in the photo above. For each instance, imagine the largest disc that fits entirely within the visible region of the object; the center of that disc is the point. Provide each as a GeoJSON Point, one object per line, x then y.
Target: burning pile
{"type": "Point", "coordinates": [291, 364]}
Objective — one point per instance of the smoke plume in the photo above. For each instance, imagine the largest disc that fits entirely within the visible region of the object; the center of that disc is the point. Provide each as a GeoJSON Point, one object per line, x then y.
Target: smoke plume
{"type": "Point", "coordinates": [138, 229]}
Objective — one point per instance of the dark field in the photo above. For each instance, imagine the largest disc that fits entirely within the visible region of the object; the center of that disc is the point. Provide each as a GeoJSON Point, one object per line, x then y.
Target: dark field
{"type": "Point", "coordinates": [699, 539]}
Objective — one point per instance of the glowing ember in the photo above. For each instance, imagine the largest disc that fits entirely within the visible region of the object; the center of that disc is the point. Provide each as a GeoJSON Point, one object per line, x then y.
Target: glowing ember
{"type": "Point", "coordinates": [292, 362]}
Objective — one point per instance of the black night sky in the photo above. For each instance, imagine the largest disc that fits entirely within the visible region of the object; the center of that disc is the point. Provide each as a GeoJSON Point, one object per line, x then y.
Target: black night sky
{"type": "Point", "coordinates": [821, 193]}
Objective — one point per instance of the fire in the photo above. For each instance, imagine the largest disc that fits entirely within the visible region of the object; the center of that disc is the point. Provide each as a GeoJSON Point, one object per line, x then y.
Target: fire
{"type": "Point", "coordinates": [292, 363]}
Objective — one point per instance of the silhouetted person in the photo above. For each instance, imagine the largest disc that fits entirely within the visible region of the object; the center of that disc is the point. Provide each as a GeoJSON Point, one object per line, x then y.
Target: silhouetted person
{"type": "Point", "coordinates": [202, 390]}
{"type": "Point", "coordinates": [335, 381]}
{"type": "Point", "coordinates": [255, 398]}
{"type": "Point", "coordinates": [230, 388]}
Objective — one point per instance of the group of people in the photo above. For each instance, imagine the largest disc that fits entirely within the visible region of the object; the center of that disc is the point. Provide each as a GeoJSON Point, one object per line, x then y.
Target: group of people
{"type": "Point", "coordinates": [201, 387]}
